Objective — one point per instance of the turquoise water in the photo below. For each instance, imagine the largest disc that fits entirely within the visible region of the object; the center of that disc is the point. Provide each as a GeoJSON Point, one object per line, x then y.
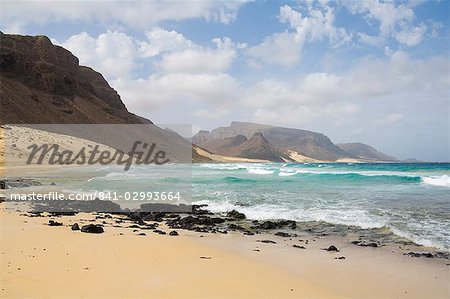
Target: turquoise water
{"type": "Point", "coordinates": [412, 200]}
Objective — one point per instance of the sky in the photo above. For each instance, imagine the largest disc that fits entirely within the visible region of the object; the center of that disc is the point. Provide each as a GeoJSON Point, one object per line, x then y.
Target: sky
{"type": "Point", "coordinates": [368, 71]}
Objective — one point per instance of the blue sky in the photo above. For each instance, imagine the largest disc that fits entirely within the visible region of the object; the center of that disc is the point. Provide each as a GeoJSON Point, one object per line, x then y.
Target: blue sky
{"type": "Point", "coordinates": [370, 71]}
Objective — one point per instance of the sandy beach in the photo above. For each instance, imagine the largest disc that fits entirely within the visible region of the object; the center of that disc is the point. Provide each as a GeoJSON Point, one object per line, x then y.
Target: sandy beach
{"type": "Point", "coordinates": [42, 261]}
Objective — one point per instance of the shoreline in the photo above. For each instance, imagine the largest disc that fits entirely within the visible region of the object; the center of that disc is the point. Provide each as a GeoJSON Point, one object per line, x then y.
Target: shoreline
{"type": "Point", "coordinates": [202, 262]}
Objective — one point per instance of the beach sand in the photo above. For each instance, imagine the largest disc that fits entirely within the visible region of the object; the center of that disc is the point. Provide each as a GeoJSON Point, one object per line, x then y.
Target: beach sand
{"type": "Point", "coordinates": [40, 261]}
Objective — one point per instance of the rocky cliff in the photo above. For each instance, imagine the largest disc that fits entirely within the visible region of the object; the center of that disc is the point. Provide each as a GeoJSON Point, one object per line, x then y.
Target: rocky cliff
{"type": "Point", "coordinates": [44, 83]}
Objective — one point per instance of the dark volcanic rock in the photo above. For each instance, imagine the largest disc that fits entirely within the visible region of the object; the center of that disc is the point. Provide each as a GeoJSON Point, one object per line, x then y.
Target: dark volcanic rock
{"type": "Point", "coordinates": [267, 225]}
{"type": "Point", "coordinates": [267, 241]}
{"type": "Point", "coordinates": [332, 248]}
{"type": "Point", "coordinates": [299, 246]}
{"type": "Point", "coordinates": [92, 229]}
{"type": "Point", "coordinates": [59, 214]}
{"type": "Point", "coordinates": [173, 233]}
{"type": "Point", "coordinates": [18, 182]}
{"type": "Point", "coordinates": [371, 244]}
{"type": "Point", "coordinates": [236, 215]}
{"type": "Point", "coordinates": [54, 223]}
{"type": "Point", "coordinates": [285, 235]}
{"type": "Point", "coordinates": [192, 222]}
{"type": "Point", "coordinates": [234, 226]}
{"type": "Point", "coordinates": [75, 226]}
{"type": "Point", "coordinates": [440, 255]}
{"type": "Point", "coordinates": [158, 231]}
{"type": "Point", "coordinates": [198, 210]}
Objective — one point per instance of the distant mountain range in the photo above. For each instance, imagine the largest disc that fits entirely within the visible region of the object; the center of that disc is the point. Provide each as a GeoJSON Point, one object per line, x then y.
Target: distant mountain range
{"type": "Point", "coordinates": [44, 84]}
{"type": "Point", "coordinates": [277, 144]}
{"type": "Point", "coordinates": [364, 151]}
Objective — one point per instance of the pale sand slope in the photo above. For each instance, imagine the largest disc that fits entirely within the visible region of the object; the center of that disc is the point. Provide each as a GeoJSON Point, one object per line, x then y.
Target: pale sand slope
{"type": "Point", "coordinates": [14, 141]}
{"type": "Point", "coordinates": [226, 159]}
{"type": "Point", "coordinates": [78, 265]}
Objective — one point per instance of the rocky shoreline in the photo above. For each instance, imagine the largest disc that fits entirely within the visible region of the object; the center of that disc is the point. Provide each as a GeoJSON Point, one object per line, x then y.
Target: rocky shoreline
{"type": "Point", "coordinates": [170, 219]}
{"type": "Point", "coordinates": [200, 220]}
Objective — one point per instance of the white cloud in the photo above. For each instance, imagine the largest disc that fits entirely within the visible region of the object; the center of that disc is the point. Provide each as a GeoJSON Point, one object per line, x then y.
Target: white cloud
{"type": "Point", "coordinates": [280, 49]}
{"type": "Point", "coordinates": [111, 53]}
{"type": "Point", "coordinates": [225, 12]}
{"type": "Point", "coordinates": [411, 36]}
{"type": "Point", "coordinates": [200, 60]}
{"type": "Point", "coordinates": [135, 14]}
{"type": "Point", "coordinates": [395, 21]}
{"type": "Point", "coordinates": [285, 49]}
{"type": "Point", "coordinates": [14, 27]}
{"type": "Point", "coordinates": [160, 40]}
{"type": "Point", "coordinates": [337, 96]}
{"type": "Point", "coordinates": [115, 54]}
{"type": "Point", "coordinates": [317, 25]}
{"type": "Point", "coordinates": [159, 91]}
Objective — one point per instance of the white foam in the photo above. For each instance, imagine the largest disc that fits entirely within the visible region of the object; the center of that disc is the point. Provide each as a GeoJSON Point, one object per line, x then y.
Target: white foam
{"type": "Point", "coordinates": [416, 239]}
{"type": "Point", "coordinates": [217, 206]}
{"type": "Point", "coordinates": [358, 218]}
{"type": "Point", "coordinates": [287, 173]}
{"type": "Point", "coordinates": [343, 172]}
{"type": "Point", "coordinates": [441, 181]}
{"type": "Point", "coordinates": [260, 171]}
{"type": "Point", "coordinates": [225, 166]}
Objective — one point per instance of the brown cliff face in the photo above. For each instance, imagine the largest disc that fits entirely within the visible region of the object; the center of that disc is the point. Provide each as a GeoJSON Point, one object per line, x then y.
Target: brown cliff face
{"type": "Point", "coordinates": [257, 147]}
{"type": "Point", "coordinates": [44, 83]}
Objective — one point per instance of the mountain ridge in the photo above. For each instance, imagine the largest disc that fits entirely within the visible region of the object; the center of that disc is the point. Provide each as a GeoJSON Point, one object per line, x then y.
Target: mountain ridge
{"type": "Point", "coordinates": [287, 144]}
{"type": "Point", "coordinates": [365, 151]}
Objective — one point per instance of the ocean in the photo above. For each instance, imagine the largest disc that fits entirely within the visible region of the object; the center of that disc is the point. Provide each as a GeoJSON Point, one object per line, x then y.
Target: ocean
{"type": "Point", "coordinates": [410, 200]}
